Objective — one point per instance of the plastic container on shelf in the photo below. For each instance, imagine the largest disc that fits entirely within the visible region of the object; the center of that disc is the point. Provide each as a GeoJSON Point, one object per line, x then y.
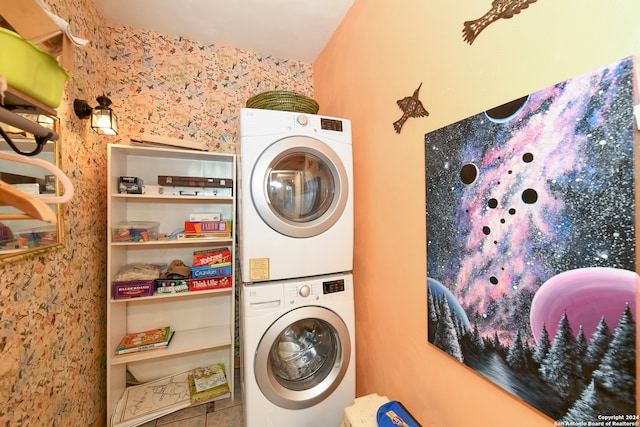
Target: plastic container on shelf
{"type": "Point", "coordinates": [30, 69]}
{"type": "Point", "coordinates": [135, 231]}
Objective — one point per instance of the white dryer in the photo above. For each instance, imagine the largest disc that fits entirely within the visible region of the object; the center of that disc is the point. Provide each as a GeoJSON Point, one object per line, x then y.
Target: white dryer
{"type": "Point", "coordinates": [298, 351]}
{"type": "Point", "coordinates": [296, 195]}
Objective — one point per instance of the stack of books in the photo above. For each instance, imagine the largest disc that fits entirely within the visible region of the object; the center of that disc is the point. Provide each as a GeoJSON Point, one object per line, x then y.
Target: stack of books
{"type": "Point", "coordinates": [145, 340]}
{"type": "Point", "coordinates": [208, 383]}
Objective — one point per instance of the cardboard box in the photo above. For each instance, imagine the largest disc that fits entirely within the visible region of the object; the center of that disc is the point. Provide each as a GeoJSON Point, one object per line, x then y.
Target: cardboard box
{"type": "Point", "coordinates": [211, 256]}
{"type": "Point", "coordinates": [210, 283]}
{"type": "Point", "coordinates": [172, 286]}
{"type": "Point", "coordinates": [198, 217]}
{"type": "Point", "coordinates": [133, 289]}
{"type": "Point", "coordinates": [207, 227]}
{"type": "Point", "coordinates": [210, 271]}
{"type": "Point", "coordinates": [130, 185]}
{"type": "Point", "coordinates": [194, 181]}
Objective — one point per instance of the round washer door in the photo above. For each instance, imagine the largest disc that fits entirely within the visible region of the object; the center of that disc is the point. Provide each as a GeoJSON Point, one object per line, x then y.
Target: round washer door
{"type": "Point", "coordinates": [302, 357]}
{"type": "Point", "coordinates": [299, 186]}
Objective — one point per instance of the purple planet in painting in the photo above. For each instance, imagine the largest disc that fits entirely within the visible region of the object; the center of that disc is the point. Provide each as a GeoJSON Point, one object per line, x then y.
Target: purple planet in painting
{"type": "Point", "coordinates": [586, 294]}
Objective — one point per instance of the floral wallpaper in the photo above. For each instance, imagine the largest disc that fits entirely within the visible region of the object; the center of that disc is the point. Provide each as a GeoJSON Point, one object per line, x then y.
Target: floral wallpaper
{"type": "Point", "coordinates": [52, 306]}
{"type": "Point", "coordinates": [169, 86]}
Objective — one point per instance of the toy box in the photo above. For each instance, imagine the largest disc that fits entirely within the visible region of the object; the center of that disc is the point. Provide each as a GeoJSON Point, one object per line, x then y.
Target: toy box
{"type": "Point", "coordinates": [172, 286]}
{"type": "Point", "coordinates": [210, 283]}
{"type": "Point", "coordinates": [211, 256]}
{"type": "Point", "coordinates": [137, 279]}
{"type": "Point", "coordinates": [133, 289]}
{"type": "Point", "coordinates": [211, 271]}
{"type": "Point", "coordinates": [207, 227]}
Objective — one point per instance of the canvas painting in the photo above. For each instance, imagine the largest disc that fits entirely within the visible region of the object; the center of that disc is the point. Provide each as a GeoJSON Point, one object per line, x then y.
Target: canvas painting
{"type": "Point", "coordinates": [531, 258]}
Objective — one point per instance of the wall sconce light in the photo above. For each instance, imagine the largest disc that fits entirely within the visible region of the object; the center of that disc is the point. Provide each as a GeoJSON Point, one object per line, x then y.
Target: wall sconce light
{"type": "Point", "coordinates": [103, 119]}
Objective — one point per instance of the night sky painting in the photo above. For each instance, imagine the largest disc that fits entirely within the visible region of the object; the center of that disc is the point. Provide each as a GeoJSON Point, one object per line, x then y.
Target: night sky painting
{"type": "Point", "coordinates": [531, 246]}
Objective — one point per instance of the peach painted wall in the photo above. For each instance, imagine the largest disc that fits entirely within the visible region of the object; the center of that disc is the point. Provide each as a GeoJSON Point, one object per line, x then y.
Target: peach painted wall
{"type": "Point", "coordinates": [380, 53]}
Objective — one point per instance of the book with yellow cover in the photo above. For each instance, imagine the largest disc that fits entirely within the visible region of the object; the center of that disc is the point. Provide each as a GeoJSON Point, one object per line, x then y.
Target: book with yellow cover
{"type": "Point", "coordinates": [208, 383]}
{"type": "Point", "coordinates": [145, 340]}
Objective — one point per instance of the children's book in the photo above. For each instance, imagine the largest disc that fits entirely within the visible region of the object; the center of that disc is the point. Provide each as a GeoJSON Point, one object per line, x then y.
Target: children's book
{"type": "Point", "coordinates": [208, 383]}
{"type": "Point", "coordinates": [145, 340]}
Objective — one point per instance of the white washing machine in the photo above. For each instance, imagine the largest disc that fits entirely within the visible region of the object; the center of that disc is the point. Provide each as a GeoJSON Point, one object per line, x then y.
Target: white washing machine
{"type": "Point", "coordinates": [296, 195]}
{"type": "Point", "coordinates": [298, 351]}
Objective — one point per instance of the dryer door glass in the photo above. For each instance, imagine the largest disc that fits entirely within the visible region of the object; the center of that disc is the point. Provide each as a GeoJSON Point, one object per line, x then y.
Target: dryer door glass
{"type": "Point", "coordinates": [300, 187]}
{"type": "Point", "coordinates": [304, 354]}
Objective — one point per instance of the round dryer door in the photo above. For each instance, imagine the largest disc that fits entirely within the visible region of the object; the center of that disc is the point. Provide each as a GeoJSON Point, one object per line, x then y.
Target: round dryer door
{"type": "Point", "coordinates": [299, 186]}
{"type": "Point", "coordinates": [302, 357]}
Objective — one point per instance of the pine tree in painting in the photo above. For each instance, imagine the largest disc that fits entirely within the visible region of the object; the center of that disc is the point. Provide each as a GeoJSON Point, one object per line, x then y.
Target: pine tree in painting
{"type": "Point", "coordinates": [581, 349]}
{"type": "Point", "coordinates": [477, 338]}
{"type": "Point", "coordinates": [542, 346]}
{"type": "Point", "coordinates": [581, 342]}
{"type": "Point", "coordinates": [585, 409]}
{"type": "Point", "coordinates": [446, 336]}
{"type": "Point", "coordinates": [496, 342]}
{"type": "Point", "coordinates": [616, 373]}
{"type": "Point", "coordinates": [433, 316]}
{"type": "Point", "coordinates": [560, 369]}
{"type": "Point", "coordinates": [598, 345]}
{"type": "Point", "coordinates": [517, 357]}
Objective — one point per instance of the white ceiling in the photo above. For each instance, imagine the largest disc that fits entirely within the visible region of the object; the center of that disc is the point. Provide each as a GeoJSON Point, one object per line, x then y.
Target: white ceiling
{"type": "Point", "coordinates": [287, 29]}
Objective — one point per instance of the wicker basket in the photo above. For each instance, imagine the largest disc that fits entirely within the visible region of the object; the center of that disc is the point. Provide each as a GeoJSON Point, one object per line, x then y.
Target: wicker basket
{"type": "Point", "coordinates": [284, 101]}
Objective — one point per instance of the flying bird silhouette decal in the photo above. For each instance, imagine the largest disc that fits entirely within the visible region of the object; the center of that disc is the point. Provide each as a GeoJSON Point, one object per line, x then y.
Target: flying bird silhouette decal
{"type": "Point", "coordinates": [411, 107]}
{"type": "Point", "coordinates": [500, 9]}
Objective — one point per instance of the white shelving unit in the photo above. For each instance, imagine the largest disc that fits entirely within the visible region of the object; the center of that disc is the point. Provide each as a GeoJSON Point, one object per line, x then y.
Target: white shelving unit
{"type": "Point", "coordinates": [203, 320]}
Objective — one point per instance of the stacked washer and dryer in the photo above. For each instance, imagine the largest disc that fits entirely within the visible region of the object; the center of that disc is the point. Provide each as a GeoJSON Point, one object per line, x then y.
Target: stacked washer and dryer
{"type": "Point", "coordinates": [296, 253]}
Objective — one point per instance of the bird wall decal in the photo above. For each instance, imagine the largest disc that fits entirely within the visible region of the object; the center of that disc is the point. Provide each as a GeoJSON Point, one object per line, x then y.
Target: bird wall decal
{"type": "Point", "coordinates": [500, 9]}
{"type": "Point", "coordinates": [411, 107]}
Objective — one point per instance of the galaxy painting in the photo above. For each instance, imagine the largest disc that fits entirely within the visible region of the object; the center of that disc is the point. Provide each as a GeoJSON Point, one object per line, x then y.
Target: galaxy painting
{"type": "Point", "coordinates": [531, 257]}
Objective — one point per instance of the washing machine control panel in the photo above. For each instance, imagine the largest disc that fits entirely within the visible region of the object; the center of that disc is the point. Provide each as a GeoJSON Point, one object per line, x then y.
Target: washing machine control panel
{"type": "Point", "coordinates": [312, 292]}
{"type": "Point", "coordinates": [333, 286]}
{"type": "Point", "coordinates": [302, 293]}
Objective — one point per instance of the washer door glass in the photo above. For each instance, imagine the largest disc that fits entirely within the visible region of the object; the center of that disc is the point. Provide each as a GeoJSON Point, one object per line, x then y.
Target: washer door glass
{"type": "Point", "coordinates": [302, 357]}
{"type": "Point", "coordinates": [303, 354]}
{"type": "Point", "coordinates": [299, 186]}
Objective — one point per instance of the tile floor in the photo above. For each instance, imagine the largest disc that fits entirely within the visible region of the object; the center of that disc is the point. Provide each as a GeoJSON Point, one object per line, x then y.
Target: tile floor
{"type": "Point", "coordinates": [220, 413]}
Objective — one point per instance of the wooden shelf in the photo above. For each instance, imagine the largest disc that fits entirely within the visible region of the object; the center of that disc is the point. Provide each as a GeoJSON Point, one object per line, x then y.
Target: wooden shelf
{"type": "Point", "coordinates": [183, 342]}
